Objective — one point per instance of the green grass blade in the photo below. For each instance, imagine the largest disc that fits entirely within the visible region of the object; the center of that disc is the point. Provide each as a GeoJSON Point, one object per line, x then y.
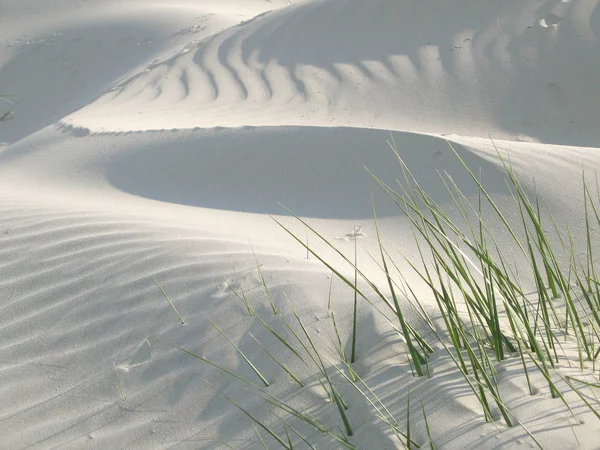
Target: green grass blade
{"type": "Point", "coordinates": [169, 300]}
{"type": "Point", "coordinates": [241, 353]}
{"type": "Point", "coordinates": [262, 425]}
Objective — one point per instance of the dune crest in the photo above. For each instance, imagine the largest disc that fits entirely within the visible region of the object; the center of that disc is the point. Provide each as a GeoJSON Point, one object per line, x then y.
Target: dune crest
{"type": "Point", "coordinates": [502, 68]}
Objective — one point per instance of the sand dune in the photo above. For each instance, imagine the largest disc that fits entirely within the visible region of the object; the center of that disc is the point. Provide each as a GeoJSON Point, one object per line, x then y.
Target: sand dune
{"type": "Point", "coordinates": [155, 141]}
{"type": "Point", "coordinates": [466, 75]}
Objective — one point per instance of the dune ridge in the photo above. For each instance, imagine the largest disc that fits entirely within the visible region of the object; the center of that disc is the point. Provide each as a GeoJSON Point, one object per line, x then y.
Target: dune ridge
{"type": "Point", "coordinates": [466, 76]}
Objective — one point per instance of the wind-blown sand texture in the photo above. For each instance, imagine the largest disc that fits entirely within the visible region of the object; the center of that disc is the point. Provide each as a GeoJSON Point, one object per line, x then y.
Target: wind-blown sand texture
{"type": "Point", "coordinates": [156, 140]}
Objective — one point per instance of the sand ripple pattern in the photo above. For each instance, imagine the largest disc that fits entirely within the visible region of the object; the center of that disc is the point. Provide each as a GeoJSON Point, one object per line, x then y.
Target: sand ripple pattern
{"type": "Point", "coordinates": [97, 370]}
{"type": "Point", "coordinates": [318, 63]}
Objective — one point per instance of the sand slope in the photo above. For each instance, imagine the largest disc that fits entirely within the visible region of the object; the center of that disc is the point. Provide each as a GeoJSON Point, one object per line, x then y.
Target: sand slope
{"type": "Point", "coordinates": [494, 70]}
{"type": "Point", "coordinates": [155, 139]}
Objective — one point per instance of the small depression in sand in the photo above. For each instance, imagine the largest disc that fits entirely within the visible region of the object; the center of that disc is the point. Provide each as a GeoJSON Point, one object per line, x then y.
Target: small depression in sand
{"type": "Point", "coordinates": [315, 172]}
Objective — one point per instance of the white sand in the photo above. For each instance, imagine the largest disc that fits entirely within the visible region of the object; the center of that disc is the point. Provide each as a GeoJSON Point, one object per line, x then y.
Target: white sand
{"type": "Point", "coordinates": [155, 138]}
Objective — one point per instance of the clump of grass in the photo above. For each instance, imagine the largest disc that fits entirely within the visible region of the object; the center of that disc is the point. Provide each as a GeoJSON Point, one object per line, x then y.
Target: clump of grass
{"type": "Point", "coordinates": [531, 329]}
{"type": "Point", "coordinates": [468, 268]}
{"type": "Point", "coordinates": [486, 316]}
